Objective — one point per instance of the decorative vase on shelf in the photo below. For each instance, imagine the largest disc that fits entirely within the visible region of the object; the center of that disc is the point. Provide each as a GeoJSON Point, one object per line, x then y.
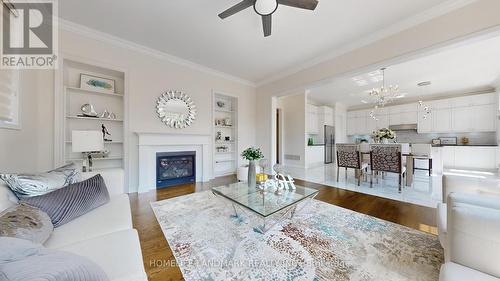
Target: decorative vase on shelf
{"type": "Point", "coordinates": [251, 173]}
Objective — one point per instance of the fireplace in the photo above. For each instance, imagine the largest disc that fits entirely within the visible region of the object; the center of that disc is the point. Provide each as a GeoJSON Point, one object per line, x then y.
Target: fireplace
{"type": "Point", "coordinates": [174, 168]}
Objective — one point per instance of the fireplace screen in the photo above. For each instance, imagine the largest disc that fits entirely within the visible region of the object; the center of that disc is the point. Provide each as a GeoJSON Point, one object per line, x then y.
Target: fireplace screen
{"type": "Point", "coordinates": [174, 168]}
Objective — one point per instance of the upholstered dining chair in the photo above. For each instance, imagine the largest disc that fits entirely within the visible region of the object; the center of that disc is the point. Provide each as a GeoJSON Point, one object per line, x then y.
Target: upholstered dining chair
{"type": "Point", "coordinates": [349, 156]}
{"type": "Point", "coordinates": [387, 158]}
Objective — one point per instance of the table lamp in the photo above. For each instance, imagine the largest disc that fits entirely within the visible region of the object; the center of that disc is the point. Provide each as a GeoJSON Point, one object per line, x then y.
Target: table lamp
{"type": "Point", "coordinates": [87, 142]}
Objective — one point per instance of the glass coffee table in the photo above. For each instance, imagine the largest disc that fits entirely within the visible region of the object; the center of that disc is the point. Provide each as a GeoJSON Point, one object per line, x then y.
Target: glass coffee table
{"type": "Point", "coordinates": [269, 206]}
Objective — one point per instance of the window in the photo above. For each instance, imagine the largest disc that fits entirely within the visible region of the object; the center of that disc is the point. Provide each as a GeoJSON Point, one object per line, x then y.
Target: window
{"type": "Point", "coordinates": [9, 99]}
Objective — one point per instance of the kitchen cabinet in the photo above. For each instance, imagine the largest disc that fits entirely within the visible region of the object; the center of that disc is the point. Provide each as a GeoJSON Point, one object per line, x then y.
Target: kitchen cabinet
{"type": "Point", "coordinates": [312, 119]}
{"type": "Point", "coordinates": [448, 155]}
{"type": "Point", "coordinates": [424, 125]}
{"type": "Point", "coordinates": [357, 122]}
{"type": "Point", "coordinates": [315, 156]}
{"type": "Point", "coordinates": [383, 121]}
{"type": "Point", "coordinates": [441, 120]}
{"type": "Point", "coordinates": [462, 121]}
{"type": "Point", "coordinates": [351, 126]}
{"type": "Point", "coordinates": [484, 118]}
{"type": "Point", "coordinates": [476, 118]}
{"type": "Point", "coordinates": [475, 113]}
{"type": "Point", "coordinates": [470, 157]}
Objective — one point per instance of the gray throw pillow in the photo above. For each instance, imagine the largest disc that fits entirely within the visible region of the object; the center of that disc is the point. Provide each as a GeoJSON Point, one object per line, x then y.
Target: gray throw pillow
{"type": "Point", "coordinates": [26, 222]}
{"type": "Point", "coordinates": [66, 204]}
{"type": "Point", "coordinates": [27, 185]}
{"type": "Point", "coordinates": [24, 260]}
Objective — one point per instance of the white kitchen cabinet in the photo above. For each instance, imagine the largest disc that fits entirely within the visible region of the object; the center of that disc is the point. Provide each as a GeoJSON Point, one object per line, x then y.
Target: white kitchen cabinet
{"type": "Point", "coordinates": [484, 118]}
{"type": "Point", "coordinates": [371, 125]}
{"type": "Point", "coordinates": [482, 99]}
{"type": "Point", "coordinates": [383, 121]}
{"type": "Point", "coordinates": [470, 157]}
{"type": "Point", "coordinates": [475, 113]}
{"type": "Point", "coordinates": [351, 126]}
{"type": "Point", "coordinates": [475, 157]}
{"type": "Point", "coordinates": [462, 119]}
{"type": "Point", "coordinates": [312, 119]}
{"type": "Point", "coordinates": [360, 126]}
{"type": "Point", "coordinates": [441, 120]}
{"type": "Point", "coordinates": [424, 125]}
{"type": "Point", "coordinates": [476, 118]}
{"type": "Point", "coordinates": [448, 155]}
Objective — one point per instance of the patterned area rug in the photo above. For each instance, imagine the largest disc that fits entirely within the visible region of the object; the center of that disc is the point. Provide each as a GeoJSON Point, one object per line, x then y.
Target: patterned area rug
{"type": "Point", "coordinates": [322, 242]}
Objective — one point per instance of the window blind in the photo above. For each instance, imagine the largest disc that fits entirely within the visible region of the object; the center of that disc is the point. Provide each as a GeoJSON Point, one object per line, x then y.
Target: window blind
{"type": "Point", "coordinates": [8, 96]}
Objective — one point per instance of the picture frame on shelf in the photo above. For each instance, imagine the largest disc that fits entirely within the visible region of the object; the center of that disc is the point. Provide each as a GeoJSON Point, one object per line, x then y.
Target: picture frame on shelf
{"type": "Point", "coordinates": [96, 83]}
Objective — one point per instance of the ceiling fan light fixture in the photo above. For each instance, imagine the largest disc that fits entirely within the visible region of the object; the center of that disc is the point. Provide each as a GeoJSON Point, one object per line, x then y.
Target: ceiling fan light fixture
{"type": "Point", "coordinates": [265, 7]}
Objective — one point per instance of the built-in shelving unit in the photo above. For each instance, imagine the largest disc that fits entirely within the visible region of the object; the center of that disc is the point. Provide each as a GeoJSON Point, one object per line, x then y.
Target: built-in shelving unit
{"type": "Point", "coordinates": [225, 125]}
{"type": "Point", "coordinates": [73, 97]}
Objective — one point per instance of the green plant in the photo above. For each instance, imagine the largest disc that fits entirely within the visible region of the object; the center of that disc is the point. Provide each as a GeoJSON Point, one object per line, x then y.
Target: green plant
{"type": "Point", "coordinates": [252, 153]}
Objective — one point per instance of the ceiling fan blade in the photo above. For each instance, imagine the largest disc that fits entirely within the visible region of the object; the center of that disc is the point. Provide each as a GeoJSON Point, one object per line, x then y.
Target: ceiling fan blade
{"type": "Point", "coordinates": [303, 4]}
{"type": "Point", "coordinates": [236, 8]}
{"type": "Point", "coordinates": [267, 24]}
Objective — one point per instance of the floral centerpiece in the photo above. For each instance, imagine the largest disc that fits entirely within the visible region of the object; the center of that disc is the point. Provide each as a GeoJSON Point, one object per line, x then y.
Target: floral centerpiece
{"type": "Point", "coordinates": [252, 154]}
{"type": "Point", "coordinates": [383, 135]}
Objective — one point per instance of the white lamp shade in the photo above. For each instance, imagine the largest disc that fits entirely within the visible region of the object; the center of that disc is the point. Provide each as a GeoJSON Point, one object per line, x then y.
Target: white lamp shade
{"type": "Point", "coordinates": [87, 141]}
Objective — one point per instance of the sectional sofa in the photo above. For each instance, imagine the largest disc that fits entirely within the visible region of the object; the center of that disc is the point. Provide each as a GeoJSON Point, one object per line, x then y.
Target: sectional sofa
{"type": "Point", "coordinates": [105, 235]}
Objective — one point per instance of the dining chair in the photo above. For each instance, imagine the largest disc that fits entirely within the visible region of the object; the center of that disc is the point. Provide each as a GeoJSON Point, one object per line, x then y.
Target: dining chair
{"type": "Point", "coordinates": [422, 152]}
{"type": "Point", "coordinates": [349, 156]}
{"type": "Point", "coordinates": [387, 158]}
{"type": "Point", "coordinates": [364, 148]}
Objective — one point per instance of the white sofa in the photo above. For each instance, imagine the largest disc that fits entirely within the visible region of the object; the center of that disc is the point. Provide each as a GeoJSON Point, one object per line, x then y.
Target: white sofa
{"type": "Point", "coordinates": [105, 235]}
{"type": "Point", "coordinates": [464, 182]}
{"type": "Point", "coordinates": [473, 240]}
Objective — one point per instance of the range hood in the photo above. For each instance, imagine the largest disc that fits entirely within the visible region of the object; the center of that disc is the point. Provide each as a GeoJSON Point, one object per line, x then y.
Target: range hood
{"type": "Point", "coordinates": [404, 127]}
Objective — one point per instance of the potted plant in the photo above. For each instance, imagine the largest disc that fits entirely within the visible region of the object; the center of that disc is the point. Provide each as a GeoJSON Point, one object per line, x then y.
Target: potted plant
{"type": "Point", "coordinates": [252, 154]}
{"type": "Point", "coordinates": [383, 135]}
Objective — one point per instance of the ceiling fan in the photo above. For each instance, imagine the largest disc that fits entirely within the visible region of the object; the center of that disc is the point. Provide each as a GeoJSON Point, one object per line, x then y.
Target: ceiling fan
{"type": "Point", "coordinates": [266, 8]}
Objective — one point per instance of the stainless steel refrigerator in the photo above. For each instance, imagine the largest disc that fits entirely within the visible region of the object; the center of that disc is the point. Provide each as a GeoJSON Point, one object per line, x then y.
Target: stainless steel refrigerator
{"type": "Point", "coordinates": [329, 144]}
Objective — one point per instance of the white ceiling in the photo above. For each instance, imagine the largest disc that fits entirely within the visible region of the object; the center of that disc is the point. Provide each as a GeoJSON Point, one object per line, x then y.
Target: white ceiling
{"type": "Point", "coordinates": [471, 67]}
{"type": "Point", "coordinates": [190, 29]}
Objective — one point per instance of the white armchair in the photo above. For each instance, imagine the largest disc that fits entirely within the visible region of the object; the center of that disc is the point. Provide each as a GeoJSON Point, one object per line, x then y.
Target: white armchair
{"type": "Point", "coordinates": [473, 238]}
{"type": "Point", "coordinates": [464, 183]}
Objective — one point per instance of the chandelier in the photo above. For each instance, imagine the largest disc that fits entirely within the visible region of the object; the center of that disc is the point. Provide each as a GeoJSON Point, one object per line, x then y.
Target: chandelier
{"type": "Point", "coordinates": [384, 94]}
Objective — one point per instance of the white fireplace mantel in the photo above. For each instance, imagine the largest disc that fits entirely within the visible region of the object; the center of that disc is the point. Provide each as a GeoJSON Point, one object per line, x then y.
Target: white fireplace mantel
{"type": "Point", "coordinates": [152, 143]}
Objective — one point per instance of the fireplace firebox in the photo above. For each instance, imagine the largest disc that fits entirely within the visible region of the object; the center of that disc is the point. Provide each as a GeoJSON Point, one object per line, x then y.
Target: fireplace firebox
{"type": "Point", "coordinates": [174, 168]}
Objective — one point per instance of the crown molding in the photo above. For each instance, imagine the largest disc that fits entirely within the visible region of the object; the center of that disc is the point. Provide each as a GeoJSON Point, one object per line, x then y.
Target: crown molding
{"type": "Point", "coordinates": [410, 22]}
{"type": "Point", "coordinates": [122, 43]}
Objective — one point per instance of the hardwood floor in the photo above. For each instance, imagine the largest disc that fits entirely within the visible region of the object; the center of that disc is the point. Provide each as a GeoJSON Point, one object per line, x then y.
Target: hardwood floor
{"type": "Point", "coordinates": [159, 261]}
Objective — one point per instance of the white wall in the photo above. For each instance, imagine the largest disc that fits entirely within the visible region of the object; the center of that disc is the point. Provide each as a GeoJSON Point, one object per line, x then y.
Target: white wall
{"type": "Point", "coordinates": [476, 17]}
{"type": "Point", "coordinates": [30, 148]}
{"type": "Point", "coordinates": [148, 76]}
{"type": "Point", "coordinates": [294, 129]}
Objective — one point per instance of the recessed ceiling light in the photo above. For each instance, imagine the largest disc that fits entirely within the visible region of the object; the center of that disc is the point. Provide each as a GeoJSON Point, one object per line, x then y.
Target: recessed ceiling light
{"type": "Point", "coordinates": [363, 101]}
{"type": "Point", "coordinates": [424, 83]}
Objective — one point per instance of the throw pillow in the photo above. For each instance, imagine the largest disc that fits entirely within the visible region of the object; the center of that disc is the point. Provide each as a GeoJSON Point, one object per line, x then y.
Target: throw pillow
{"type": "Point", "coordinates": [26, 222]}
{"type": "Point", "coordinates": [66, 204]}
{"type": "Point", "coordinates": [27, 185]}
{"type": "Point", "coordinates": [23, 260]}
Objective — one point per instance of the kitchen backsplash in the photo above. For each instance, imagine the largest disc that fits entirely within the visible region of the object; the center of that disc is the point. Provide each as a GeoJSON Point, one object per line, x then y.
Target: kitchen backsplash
{"type": "Point", "coordinates": [412, 137]}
